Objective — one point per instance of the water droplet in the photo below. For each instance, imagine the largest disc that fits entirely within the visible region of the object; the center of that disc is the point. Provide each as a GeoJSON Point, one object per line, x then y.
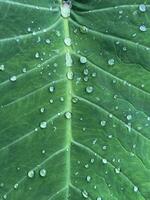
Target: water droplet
{"type": "Point", "coordinates": [103, 123]}
{"type": "Point", "coordinates": [143, 28]}
{"type": "Point", "coordinates": [75, 99]}
{"type": "Point", "coordinates": [135, 188]}
{"type": "Point", "coordinates": [111, 62]}
{"type": "Point", "coordinates": [68, 115]}
{"type": "Point", "coordinates": [142, 7]}
{"type": "Point", "coordinates": [2, 67]}
{"type": "Point", "coordinates": [129, 117]}
{"type": "Point", "coordinates": [37, 55]}
{"type": "Point", "coordinates": [16, 186]}
{"type": "Point", "coordinates": [5, 196]}
{"type": "Point", "coordinates": [43, 124]}
{"type": "Point", "coordinates": [104, 161]}
{"type": "Point", "coordinates": [68, 60]}
{"type": "Point", "coordinates": [48, 41]}
{"type": "Point", "coordinates": [43, 172]}
{"type": "Point", "coordinates": [65, 10]}
{"type": "Point", "coordinates": [85, 194]}
{"type": "Point", "coordinates": [88, 178]}
{"type": "Point", "coordinates": [13, 78]}
{"type": "Point", "coordinates": [42, 110]}
{"type": "Point", "coordinates": [31, 174]}
{"type": "Point", "coordinates": [86, 71]}
{"type": "Point", "coordinates": [83, 59]}
{"type": "Point", "coordinates": [24, 70]}
{"type": "Point", "coordinates": [99, 198]}
{"type": "Point", "coordinates": [70, 75]}
{"type": "Point", "coordinates": [51, 89]}
{"type": "Point", "coordinates": [67, 41]}
{"type": "Point", "coordinates": [83, 29]}
{"type": "Point", "coordinates": [89, 89]}
{"type": "Point", "coordinates": [117, 170]}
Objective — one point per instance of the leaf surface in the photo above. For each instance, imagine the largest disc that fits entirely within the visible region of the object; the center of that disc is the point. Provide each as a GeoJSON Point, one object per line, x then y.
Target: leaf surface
{"type": "Point", "coordinates": [74, 100]}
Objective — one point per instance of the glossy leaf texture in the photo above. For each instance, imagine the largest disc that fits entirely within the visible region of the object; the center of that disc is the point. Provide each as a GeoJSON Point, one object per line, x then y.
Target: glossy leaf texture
{"type": "Point", "coordinates": [74, 100]}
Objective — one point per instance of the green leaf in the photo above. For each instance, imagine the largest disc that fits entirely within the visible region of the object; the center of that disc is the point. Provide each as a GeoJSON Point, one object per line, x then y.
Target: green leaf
{"type": "Point", "coordinates": [74, 100]}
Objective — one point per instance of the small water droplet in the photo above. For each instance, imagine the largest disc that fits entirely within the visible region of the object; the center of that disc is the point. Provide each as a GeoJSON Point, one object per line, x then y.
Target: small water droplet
{"type": "Point", "coordinates": [16, 186]}
{"type": "Point", "coordinates": [142, 7]}
{"type": "Point", "coordinates": [88, 178]}
{"type": "Point", "coordinates": [37, 55]}
{"type": "Point", "coordinates": [70, 75]}
{"type": "Point", "coordinates": [2, 67]}
{"type": "Point", "coordinates": [129, 117]}
{"type": "Point", "coordinates": [48, 41]}
{"type": "Point", "coordinates": [103, 123]}
{"type": "Point", "coordinates": [85, 194]}
{"type": "Point", "coordinates": [83, 29]}
{"type": "Point", "coordinates": [135, 188]}
{"type": "Point", "coordinates": [75, 99]}
{"type": "Point", "coordinates": [83, 59]}
{"type": "Point", "coordinates": [43, 172]}
{"type": "Point", "coordinates": [51, 89]}
{"type": "Point", "coordinates": [143, 28]}
{"type": "Point", "coordinates": [31, 174]}
{"type": "Point", "coordinates": [111, 62]}
{"type": "Point", "coordinates": [68, 115]}
{"type": "Point", "coordinates": [13, 78]}
{"type": "Point", "coordinates": [43, 124]}
{"type": "Point", "coordinates": [67, 41]}
{"type": "Point", "coordinates": [89, 89]}
{"type": "Point", "coordinates": [104, 161]}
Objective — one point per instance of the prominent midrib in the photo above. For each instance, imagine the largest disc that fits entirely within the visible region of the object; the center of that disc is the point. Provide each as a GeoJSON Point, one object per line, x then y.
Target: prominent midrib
{"type": "Point", "coordinates": [68, 108]}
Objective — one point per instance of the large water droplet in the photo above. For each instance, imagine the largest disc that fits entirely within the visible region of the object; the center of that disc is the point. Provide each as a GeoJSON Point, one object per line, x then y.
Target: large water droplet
{"type": "Point", "coordinates": [65, 10]}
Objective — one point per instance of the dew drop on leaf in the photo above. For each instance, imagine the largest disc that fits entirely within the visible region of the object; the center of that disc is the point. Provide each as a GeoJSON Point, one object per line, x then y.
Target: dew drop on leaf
{"type": "Point", "coordinates": [43, 124]}
{"type": "Point", "coordinates": [143, 28]}
{"type": "Point", "coordinates": [75, 99]}
{"type": "Point", "coordinates": [89, 89]}
{"type": "Point", "coordinates": [31, 174]}
{"type": "Point", "coordinates": [2, 67]}
{"type": "Point", "coordinates": [48, 41]}
{"type": "Point", "coordinates": [135, 188]}
{"type": "Point", "coordinates": [67, 41]}
{"type": "Point", "coordinates": [111, 62]}
{"type": "Point", "coordinates": [103, 123]}
{"type": "Point", "coordinates": [70, 75]}
{"type": "Point", "coordinates": [83, 29]}
{"type": "Point", "coordinates": [85, 194]}
{"type": "Point", "coordinates": [83, 60]}
{"type": "Point", "coordinates": [104, 161]}
{"type": "Point", "coordinates": [43, 172]}
{"type": "Point", "coordinates": [13, 78]}
{"type": "Point", "coordinates": [88, 178]}
{"type": "Point", "coordinates": [51, 89]}
{"type": "Point", "coordinates": [142, 7]}
{"type": "Point", "coordinates": [68, 115]}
